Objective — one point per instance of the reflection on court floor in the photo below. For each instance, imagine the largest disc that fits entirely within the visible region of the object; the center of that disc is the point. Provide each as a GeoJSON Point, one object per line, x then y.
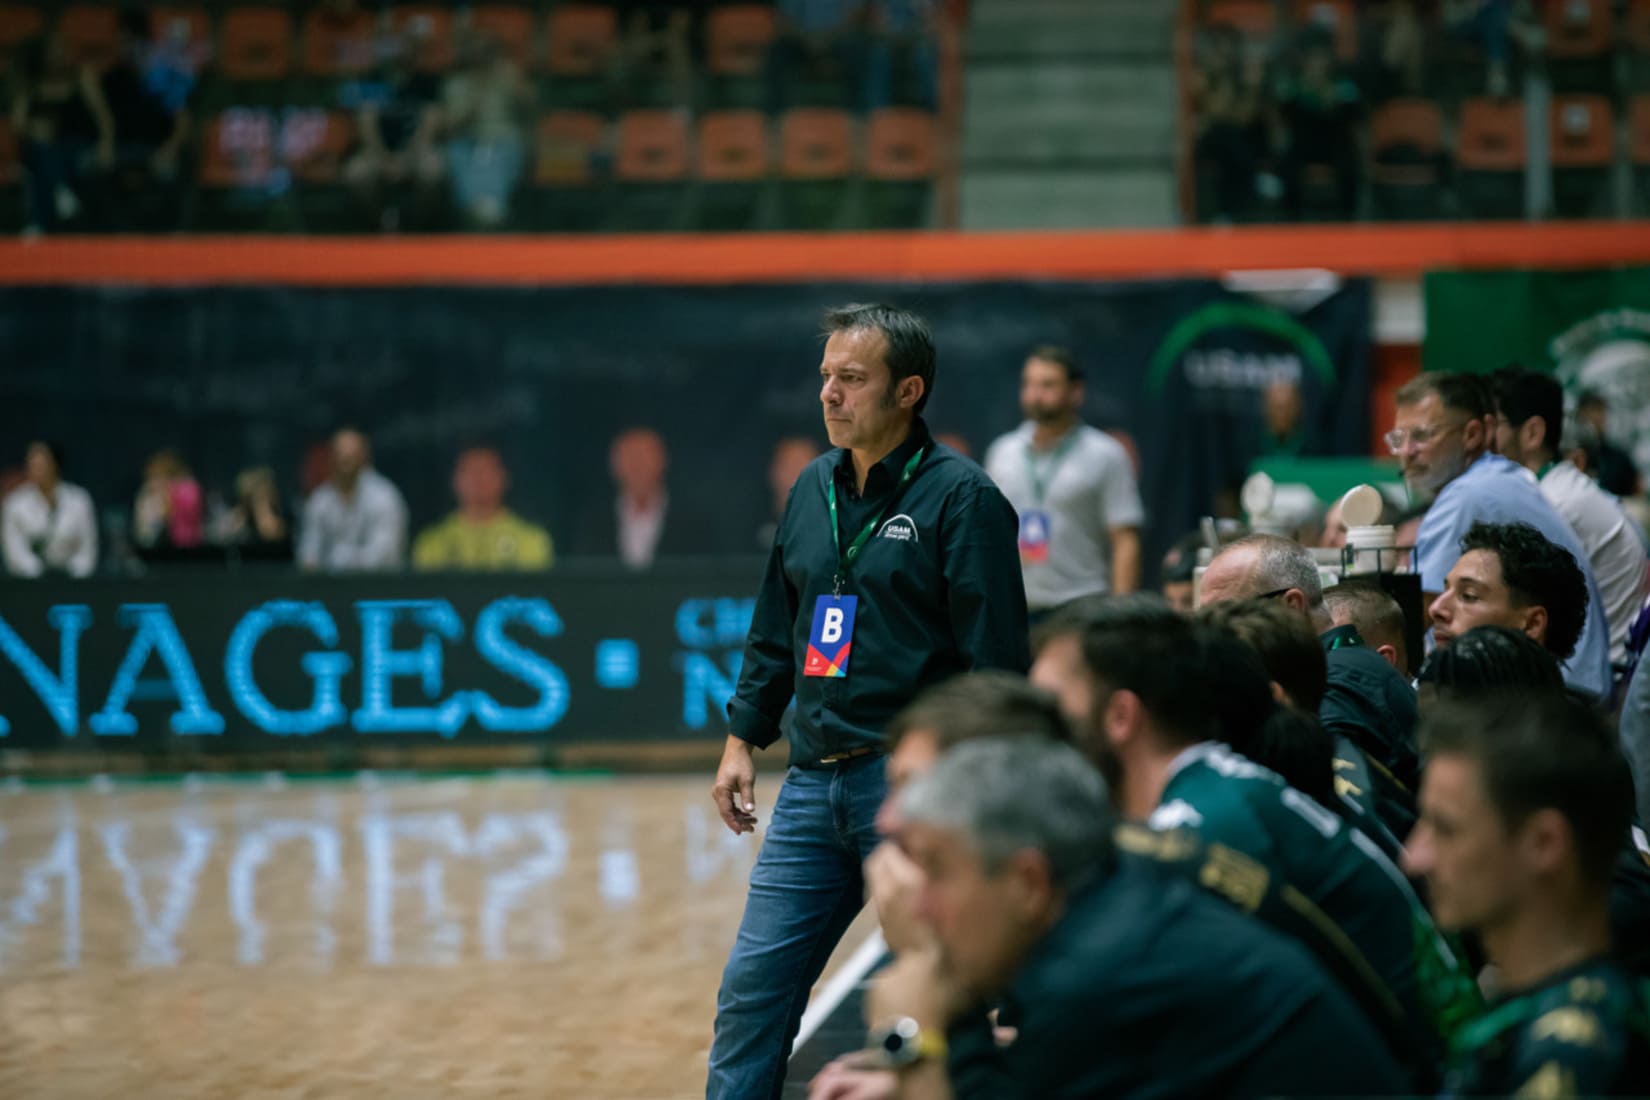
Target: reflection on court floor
{"type": "Point", "coordinates": [504, 935]}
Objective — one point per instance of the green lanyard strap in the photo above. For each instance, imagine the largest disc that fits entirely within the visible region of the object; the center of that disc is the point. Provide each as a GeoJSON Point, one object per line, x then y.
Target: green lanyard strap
{"type": "Point", "coordinates": [845, 558]}
{"type": "Point", "coordinates": [1039, 484]}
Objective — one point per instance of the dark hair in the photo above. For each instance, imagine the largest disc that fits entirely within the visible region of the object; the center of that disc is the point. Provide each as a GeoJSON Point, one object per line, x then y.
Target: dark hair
{"type": "Point", "coordinates": [1538, 573]}
{"type": "Point", "coordinates": [1137, 643]}
{"type": "Point", "coordinates": [1465, 393]}
{"type": "Point", "coordinates": [910, 346]}
{"type": "Point", "coordinates": [1488, 659]}
{"type": "Point", "coordinates": [1521, 394]}
{"type": "Point", "coordinates": [1286, 740]}
{"type": "Point", "coordinates": [1180, 562]}
{"type": "Point", "coordinates": [1285, 643]}
{"type": "Point", "coordinates": [1060, 357]}
{"type": "Point", "coordinates": [990, 703]}
{"type": "Point", "coordinates": [1370, 608]}
{"type": "Point", "coordinates": [1538, 750]}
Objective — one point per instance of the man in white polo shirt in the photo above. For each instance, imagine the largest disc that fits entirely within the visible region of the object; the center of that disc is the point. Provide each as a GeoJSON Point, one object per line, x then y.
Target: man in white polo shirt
{"type": "Point", "coordinates": [1529, 414]}
{"type": "Point", "coordinates": [1073, 486]}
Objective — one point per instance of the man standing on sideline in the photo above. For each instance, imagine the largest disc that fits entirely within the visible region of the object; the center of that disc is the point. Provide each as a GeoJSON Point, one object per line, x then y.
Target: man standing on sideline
{"type": "Point", "coordinates": [1529, 420]}
{"type": "Point", "coordinates": [1443, 446]}
{"type": "Point", "coordinates": [886, 577]}
{"type": "Point", "coordinates": [357, 520]}
{"type": "Point", "coordinates": [1073, 487]}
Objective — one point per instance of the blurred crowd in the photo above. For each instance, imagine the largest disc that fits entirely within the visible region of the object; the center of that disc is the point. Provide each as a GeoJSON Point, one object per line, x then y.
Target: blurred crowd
{"type": "Point", "coordinates": [418, 121]}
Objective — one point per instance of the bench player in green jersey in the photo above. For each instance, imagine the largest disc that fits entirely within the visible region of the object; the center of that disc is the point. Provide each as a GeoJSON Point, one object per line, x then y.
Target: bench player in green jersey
{"type": "Point", "coordinates": [1524, 802]}
{"type": "Point", "coordinates": [1140, 675]}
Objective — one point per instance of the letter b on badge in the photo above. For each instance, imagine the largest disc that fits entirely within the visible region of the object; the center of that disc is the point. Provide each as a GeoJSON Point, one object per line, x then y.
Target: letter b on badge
{"type": "Point", "coordinates": [831, 632]}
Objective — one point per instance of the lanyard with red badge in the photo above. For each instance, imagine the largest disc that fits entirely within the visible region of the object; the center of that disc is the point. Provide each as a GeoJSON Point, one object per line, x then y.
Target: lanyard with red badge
{"type": "Point", "coordinates": [832, 635]}
{"type": "Point", "coordinates": [1035, 522]}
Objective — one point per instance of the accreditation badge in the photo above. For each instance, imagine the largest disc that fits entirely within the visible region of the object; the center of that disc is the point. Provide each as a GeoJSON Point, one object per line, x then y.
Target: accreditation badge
{"type": "Point", "coordinates": [831, 638]}
{"type": "Point", "coordinates": [1034, 534]}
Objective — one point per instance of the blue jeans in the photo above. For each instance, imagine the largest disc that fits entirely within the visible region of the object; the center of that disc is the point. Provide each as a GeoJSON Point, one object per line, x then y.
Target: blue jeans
{"type": "Point", "coordinates": [806, 888]}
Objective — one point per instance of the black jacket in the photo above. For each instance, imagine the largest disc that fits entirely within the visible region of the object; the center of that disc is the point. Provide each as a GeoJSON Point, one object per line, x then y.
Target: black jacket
{"type": "Point", "coordinates": [1372, 706]}
{"type": "Point", "coordinates": [939, 588]}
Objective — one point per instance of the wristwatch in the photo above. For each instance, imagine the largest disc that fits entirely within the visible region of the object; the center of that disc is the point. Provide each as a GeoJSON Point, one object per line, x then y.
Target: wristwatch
{"type": "Point", "coordinates": [903, 1042]}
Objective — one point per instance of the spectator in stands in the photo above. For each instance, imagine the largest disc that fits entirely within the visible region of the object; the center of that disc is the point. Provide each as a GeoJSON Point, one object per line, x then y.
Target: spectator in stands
{"type": "Point", "coordinates": [66, 132]}
{"type": "Point", "coordinates": [901, 47]}
{"type": "Point", "coordinates": [1529, 423]}
{"type": "Point", "coordinates": [169, 513]}
{"type": "Point", "coordinates": [1491, 26]}
{"type": "Point", "coordinates": [1399, 55]}
{"type": "Point", "coordinates": [1028, 900]}
{"type": "Point", "coordinates": [1367, 701]}
{"type": "Point", "coordinates": [397, 131]}
{"type": "Point", "coordinates": [819, 40]}
{"type": "Point", "coordinates": [148, 90]}
{"type": "Point", "coordinates": [1509, 575]}
{"type": "Point", "coordinates": [485, 103]}
{"type": "Point", "coordinates": [1320, 112]}
{"type": "Point", "coordinates": [660, 38]}
{"type": "Point", "coordinates": [256, 525]}
{"type": "Point", "coordinates": [791, 456]}
{"type": "Point", "coordinates": [357, 521]}
{"type": "Point", "coordinates": [1377, 617]}
{"type": "Point", "coordinates": [1615, 470]}
{"type": "Point", "coordinates": [1281, 430]}
{"type": "Point", "coordinates": [483, 533]}
{"type": "Point", "coordinates": [1525, 804]}
{"type": "Point", "coordinates": [47, 525]}
{"type": "Point", "coordinates": [641, 524]}
{"type": "Point", "coordinates": [1234, 133]}
{"type": "Point", "coordinates": [1443, 450]}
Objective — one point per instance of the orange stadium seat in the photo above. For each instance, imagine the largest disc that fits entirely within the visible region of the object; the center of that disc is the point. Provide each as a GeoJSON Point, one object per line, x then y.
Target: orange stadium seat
{"type": "Point", "coordinates": [733, 146]}
{"type": "Point", "coordinates": [1407, 159]}
{"type": "Point", "coordinates": [429, 32]}
{"type": "Point", "coordinates": [1492, 152]}
{"type": "Point", "coordinates": [1579, 28]}
{"type": "Point", "coordinates": [255, 45]}
{"type": "Point", "coordinates": [582, 38]}
{"type": "Point", "coordinates": [315, 144]}
{"type": "Point", "coordinates": [816, 143]}
{"type": "Point", "coordinates": [900, 145]}
{"type": "Point", "coordinates": [737, 37]}
{"type": "Point", "coordinates": [19, 23]}
{"type": "Point", "coordinates": [91, 32]}
{"type": "Point", "coordinates": [565, 146]}
{"type": "Point", "coordinates": [1639, 126]}
{"type": "Point", "coordinates": [1582, 132]}
{"type": "Point", "coordinates": [1637, 29]}
{"type": "Point", "coordinates": [511, 27]}
{"type": "Point", "coordinates": [1250, 18]}
{"type": "Point", "coordinates": [338, 47]}
{"type": "Point", "coordinates": [239, 150]}
{"type": "Point", "coordinates": [10, 172]}
{"type": "Point", "coordinates": [652, 147]}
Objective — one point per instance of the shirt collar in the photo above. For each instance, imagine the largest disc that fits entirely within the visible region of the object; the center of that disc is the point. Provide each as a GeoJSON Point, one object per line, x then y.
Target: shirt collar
{"type": "Point", "coordinates": [1344, 635]}
{"type": "Point", "coordinates": [886, 473]}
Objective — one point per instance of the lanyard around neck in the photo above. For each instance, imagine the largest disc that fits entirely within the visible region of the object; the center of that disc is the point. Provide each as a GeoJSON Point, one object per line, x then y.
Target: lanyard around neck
{"type": "Point", "coordinates": [1041, 481]}
{"type": "Point", "coordinates": [845, 558]}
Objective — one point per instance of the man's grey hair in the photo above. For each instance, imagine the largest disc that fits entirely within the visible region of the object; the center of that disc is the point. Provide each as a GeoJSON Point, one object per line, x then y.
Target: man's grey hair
{"type": "Point", "coordinates": [1280, 563]}
{"type": "Point", "coordinates": [1010, 794]}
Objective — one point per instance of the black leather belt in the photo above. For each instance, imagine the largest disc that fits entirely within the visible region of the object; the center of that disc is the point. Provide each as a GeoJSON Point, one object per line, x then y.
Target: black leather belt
{"type": "Point", "coordinates": [851, 754]}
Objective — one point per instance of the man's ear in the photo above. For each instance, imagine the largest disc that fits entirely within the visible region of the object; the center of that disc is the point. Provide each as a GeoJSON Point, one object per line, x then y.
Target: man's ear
{"type": "Point", "coordinates": [1296, 599]}
{"type": "Point", "coordinates": [1535, 623]}
{"type": "Point", "coordinates": [1032, 883]}
{"type": "Point", "coordinates": [1389, 654]}
{"type": "Point", "coordinates": [1532, 433]}
{"type": "Point", "coordinates": [910, 391]}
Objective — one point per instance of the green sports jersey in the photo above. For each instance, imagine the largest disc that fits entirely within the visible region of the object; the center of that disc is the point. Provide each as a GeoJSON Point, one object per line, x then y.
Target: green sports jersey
{"type": "Point", "coordinates": [1583, 1032]}
{"type": "Point", "coordinates": [1233, 801]}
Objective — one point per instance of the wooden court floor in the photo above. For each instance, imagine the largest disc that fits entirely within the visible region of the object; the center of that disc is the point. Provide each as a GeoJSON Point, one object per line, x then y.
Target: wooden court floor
{"type": "Point", "coordinates": [500, 936]}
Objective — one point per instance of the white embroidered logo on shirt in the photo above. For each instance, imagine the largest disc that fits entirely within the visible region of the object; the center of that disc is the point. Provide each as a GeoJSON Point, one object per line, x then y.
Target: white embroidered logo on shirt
{"type": "Point", "coordinates": [901, 527]}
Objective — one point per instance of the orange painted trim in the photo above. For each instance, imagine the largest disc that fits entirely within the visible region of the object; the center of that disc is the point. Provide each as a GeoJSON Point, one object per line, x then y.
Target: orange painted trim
{"type": "Point", "coordinates": [1383, 250]}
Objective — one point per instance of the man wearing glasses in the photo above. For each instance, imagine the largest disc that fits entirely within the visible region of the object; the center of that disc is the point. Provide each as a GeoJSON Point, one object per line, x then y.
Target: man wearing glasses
{"type": "Point", "coordinates": [1442, 440]}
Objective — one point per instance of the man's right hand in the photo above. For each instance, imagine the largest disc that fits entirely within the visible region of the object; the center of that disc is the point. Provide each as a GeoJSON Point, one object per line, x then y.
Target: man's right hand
{"type": "Point", "coordinates": [735, 790]}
